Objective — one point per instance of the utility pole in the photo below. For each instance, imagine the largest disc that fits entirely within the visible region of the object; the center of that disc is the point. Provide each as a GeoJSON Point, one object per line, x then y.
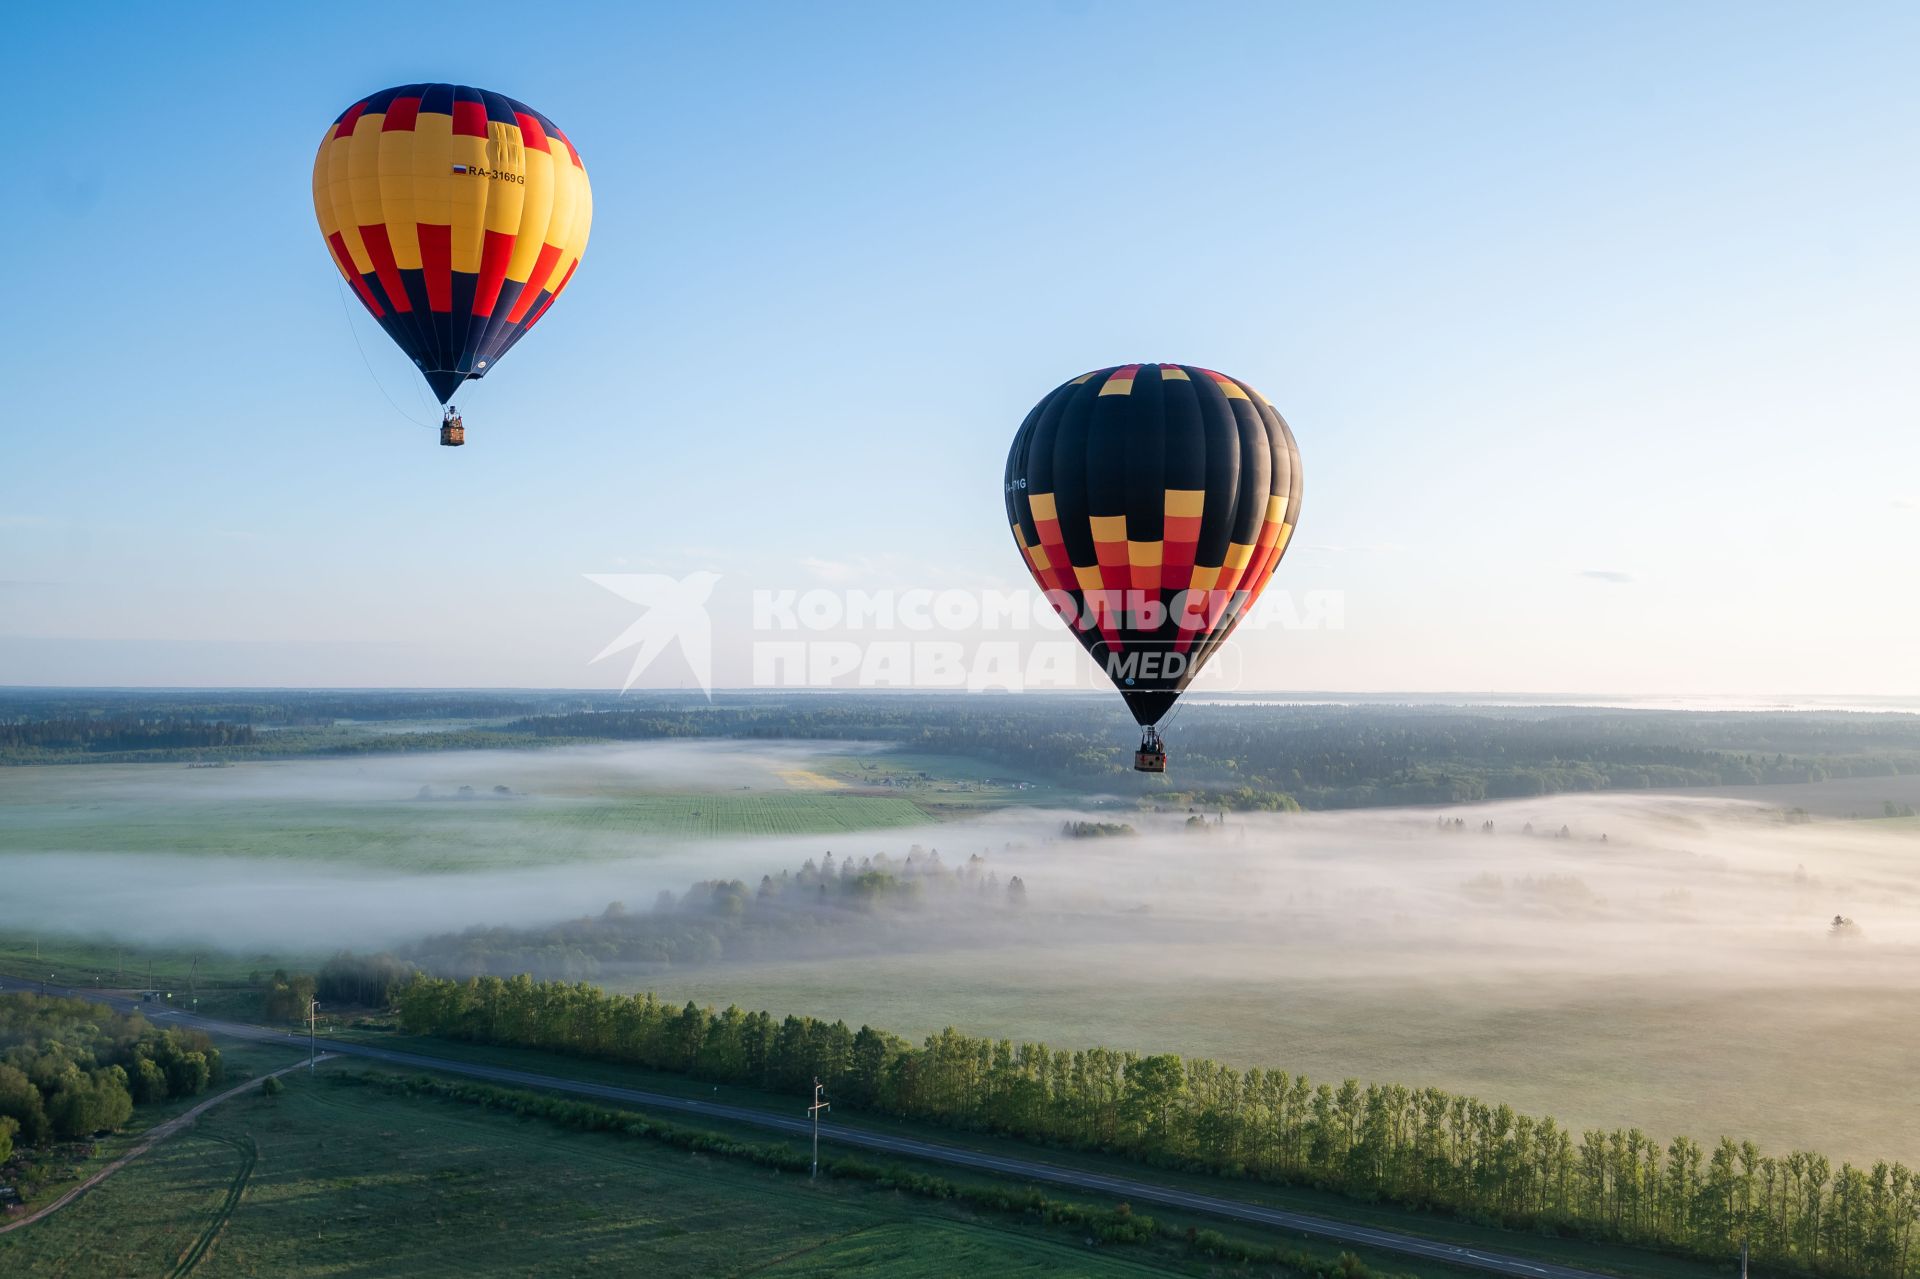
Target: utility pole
{"type": "Point", "coordinates": [313, 1018]}
{"type": "Point", "coordinates": [819, 1104]}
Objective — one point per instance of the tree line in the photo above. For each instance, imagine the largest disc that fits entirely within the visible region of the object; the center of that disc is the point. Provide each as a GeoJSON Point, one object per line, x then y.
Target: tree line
{"type": "Point", "coordinates": [69, 1068]}
{"type": "Point", "coordinates": [345, 980]}
{"type": "Point", "coordinates": [1094, 830]}
{"type": "Point", "coordinates": [283, 707]}
{"type": "Point", "coordinates": [84, 725]}
{"type": "Point", "coordinates": [28, 740]}
{"type": "Point", "coordinates": [1419, 1147]}
{"type": "Point", "coordinates": [1243, 757]}
{"type": "Point", "coordinates": [1280, 757]}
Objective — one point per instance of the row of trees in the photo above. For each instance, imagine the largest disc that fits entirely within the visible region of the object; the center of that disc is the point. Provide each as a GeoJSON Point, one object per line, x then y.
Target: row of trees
{"type": "Point", "coordinates": [1424, 1148]}
{"type": "Point", "coordinates": [1094, 830]}
{"type": "Point", "coordinates": [69, 1067]}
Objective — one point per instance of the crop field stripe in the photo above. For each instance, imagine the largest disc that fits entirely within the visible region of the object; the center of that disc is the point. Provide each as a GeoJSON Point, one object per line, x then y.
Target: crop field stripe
{"type": "Point", "coordinates": [249, 1155]}
{"type": "Point", "coordinates": [816, 1246]}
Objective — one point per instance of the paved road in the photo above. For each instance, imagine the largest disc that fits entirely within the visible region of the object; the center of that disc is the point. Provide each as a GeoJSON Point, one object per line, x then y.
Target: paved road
{"type": "Point", "coordinates": [1125, 1188]}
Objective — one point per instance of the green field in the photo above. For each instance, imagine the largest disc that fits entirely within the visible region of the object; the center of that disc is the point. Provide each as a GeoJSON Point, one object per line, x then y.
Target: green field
{"type": "Point", "coordinates": [326, 1180]}
{"type": "Point", "coordinates": [1911, 824]}
{"type": "Point", "coordinates": [225, 984]}
{"type": "Point", "coordinates": [940, 785]}
{"type": "Point", "coordinates": [774, 813]}
{"type": "Point", "coordinates": [560, 806]}
{"type": "Point", "coordinates": [414, 836]}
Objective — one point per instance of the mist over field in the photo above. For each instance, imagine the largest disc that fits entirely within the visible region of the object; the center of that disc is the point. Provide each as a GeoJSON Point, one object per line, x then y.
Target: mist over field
{"type": "Point", "coordinates": [1684, 975]}
{"type": "Point", "coordinates": [1658, 959]}
{"type": "Point", "coordinates": [557, 773]}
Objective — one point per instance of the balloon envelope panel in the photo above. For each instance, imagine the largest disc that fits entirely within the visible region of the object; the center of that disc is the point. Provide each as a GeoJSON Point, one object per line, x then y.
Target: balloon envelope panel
{"type": "Point", "coordinates": [1155, 501]}
{"type": "Point", "coordinates": [456, 215]}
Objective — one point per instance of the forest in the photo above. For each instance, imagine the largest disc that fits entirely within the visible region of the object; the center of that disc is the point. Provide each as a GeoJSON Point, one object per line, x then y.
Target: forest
{"type": "Point", "coordinates": [1246, 758]}
{"type": "Point", "coordinates": [280, 708]}
{"type": "Point", "coordinates": [52, 726]}
{"type": "Point", "coordinates": [1422, 1148]}
{"type": "Point", "coordinates": [23, 741]}
{"type": "Point", "coordinates": [877, 902]}
{"type": "Point", "coordinates": [69, 1068]}
{"type": "Point", "coordinates": [1316, 756]}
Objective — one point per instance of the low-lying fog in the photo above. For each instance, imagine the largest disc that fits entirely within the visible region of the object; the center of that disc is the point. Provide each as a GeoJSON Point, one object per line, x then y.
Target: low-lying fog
{"type": "Point", "coordinates": [1598, 884]}
{"type": "Point", "coordinates": [1665, 961]}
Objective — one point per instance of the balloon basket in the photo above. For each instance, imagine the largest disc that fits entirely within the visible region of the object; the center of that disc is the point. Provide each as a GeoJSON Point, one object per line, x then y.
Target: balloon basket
{"type": "Point", "coordinates": [453, 432]}
{"type": "Point", "coordinates": [1152, 755]}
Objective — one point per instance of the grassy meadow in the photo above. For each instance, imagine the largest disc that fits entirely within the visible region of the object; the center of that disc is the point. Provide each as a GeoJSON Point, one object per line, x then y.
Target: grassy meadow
{"type": "Point", "coordinates": [185, 971]}
{"type": "Point", "coordinates": [410, 812]}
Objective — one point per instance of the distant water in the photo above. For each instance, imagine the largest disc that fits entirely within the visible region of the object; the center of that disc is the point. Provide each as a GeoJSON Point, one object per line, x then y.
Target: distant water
{"type": "Point", "coordinates": [1598, 701]}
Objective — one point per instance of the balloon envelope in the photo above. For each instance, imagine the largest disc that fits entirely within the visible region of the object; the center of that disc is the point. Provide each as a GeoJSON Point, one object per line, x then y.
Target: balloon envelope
{"type": "Point", "coordinates": [457, 216]}
{"type": "Point", "coordinates": [1152, 501]}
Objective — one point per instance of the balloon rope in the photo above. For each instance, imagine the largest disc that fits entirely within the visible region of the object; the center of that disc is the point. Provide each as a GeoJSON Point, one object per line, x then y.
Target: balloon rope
{"type": "Point", "coordinates": [348, 312]}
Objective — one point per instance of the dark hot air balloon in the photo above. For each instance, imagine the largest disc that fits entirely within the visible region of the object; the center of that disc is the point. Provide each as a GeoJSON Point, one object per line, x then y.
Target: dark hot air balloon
{"type": "Point", "coordinates": [457, 216]}
{"type": "Point", "coordinates": [1152, 502]}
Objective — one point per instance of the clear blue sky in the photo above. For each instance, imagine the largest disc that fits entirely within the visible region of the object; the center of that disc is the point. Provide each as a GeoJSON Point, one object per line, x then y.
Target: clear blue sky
{"type": "Point", "coordinates": [1597, 327]}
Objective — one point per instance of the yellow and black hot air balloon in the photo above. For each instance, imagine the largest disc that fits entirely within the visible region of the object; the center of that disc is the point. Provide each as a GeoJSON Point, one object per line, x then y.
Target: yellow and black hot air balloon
{"type": "Point", "coordinates": [457, 216]}
{"type": "Point", "coordinates": [1152, 502]}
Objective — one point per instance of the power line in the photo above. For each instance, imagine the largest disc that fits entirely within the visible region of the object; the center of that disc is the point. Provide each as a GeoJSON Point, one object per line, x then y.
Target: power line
{"type": "Point", "coordinates": [818, 1105]}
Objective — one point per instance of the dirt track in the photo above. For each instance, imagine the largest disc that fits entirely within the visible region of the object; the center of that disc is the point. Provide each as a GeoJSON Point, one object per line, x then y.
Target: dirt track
{"type": "Point", "coordinates": [154, 1135]}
